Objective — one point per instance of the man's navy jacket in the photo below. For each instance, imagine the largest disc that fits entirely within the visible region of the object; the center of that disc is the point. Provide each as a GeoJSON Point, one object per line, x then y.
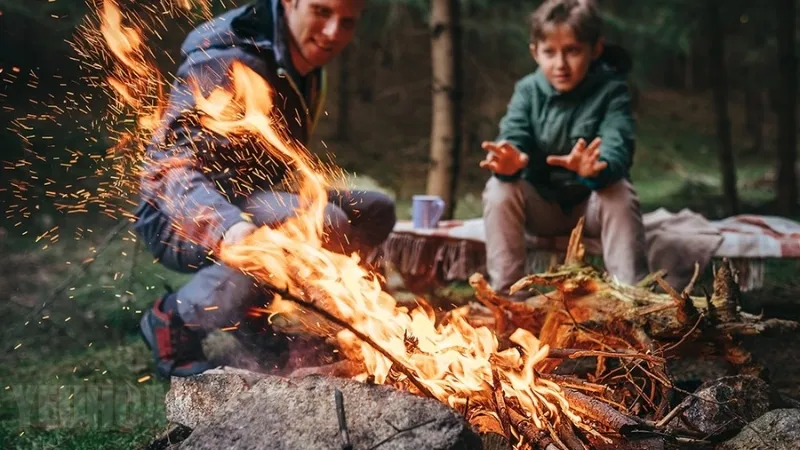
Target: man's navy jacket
{"type": "Point", "coordinates": [194, 179]}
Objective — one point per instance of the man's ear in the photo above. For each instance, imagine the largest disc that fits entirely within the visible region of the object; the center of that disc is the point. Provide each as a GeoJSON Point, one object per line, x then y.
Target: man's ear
{"type": "Point", "coordinates": [598, 48]}
{"type": "Point", "coordinates": [532, 49]}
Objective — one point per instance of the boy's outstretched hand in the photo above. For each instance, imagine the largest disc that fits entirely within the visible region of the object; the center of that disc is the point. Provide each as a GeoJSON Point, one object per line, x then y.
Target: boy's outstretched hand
{"type": "Point", "coordinates": [503, 158]}
{"type": "Point", "coordinates": [583, 160]}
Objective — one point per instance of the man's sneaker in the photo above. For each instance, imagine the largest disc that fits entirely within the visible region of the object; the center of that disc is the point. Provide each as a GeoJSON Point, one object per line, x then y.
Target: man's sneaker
{"type": "Point", "coordinates": [178, 351]}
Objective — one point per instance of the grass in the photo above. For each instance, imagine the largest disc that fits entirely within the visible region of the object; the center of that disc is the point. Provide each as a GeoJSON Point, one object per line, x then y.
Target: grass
{"type": "Point", "coordinates": [85, 399]}
{"type": "Point", "coordinates": [82, 349]}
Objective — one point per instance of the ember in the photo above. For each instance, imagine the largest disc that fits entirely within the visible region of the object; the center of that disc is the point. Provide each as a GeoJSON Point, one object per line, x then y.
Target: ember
{"type": "Point", "coordinates": [502, 371]}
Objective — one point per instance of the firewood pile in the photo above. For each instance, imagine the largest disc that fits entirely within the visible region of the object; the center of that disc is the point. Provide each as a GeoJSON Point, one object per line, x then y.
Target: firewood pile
{"type": "Point", "coordinates": [600, 374]}
{"type": "Point", "coordinates": [629, 333]}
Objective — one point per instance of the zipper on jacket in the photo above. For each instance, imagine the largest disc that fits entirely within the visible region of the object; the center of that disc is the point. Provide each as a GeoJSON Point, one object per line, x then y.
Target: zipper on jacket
{"type": "Point", "coordinates": [284, 74]}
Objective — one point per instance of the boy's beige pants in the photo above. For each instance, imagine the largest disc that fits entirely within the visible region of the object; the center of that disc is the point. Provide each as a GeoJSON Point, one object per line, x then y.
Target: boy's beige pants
{"type": "Point", "coordinates": [511, 209]}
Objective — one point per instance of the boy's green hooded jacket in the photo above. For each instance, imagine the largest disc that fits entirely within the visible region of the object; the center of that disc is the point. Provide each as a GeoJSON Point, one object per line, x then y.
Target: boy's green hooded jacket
{"type": "Point", "coordinates": [541, 121]}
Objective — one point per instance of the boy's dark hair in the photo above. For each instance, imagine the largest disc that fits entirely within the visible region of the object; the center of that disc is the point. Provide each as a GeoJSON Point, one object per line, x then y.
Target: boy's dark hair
{"type": "Point", "coordinates": [581, 15]}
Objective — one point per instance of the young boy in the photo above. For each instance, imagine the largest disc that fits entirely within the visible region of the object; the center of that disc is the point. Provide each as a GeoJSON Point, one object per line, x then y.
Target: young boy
{"type": "Point", "coordinates": [564, 150]}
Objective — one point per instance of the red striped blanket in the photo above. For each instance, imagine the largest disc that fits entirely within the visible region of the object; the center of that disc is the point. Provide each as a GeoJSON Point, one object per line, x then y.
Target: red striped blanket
{"type": "Point", "coordinates": [676, 241]}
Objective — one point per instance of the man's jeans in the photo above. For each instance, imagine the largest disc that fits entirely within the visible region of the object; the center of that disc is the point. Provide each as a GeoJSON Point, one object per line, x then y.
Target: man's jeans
{"type": "Point", "coordinates": [219, 296]}
{"type": "Point", "coordinates": [512, 209]}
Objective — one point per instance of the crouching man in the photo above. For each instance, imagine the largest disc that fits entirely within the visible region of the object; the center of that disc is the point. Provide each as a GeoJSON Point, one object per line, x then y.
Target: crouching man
{"type": "Point", "coordinates": [201, 191]}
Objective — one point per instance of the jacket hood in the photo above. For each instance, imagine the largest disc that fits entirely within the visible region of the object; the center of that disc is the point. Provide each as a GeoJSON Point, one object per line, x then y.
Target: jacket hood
{"type": "Point", "coordinates": [257, 25]}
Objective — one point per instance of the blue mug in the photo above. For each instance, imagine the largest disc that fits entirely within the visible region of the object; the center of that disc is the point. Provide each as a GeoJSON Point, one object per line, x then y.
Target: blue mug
{"type": "Point", "coordinates": [426, 210]}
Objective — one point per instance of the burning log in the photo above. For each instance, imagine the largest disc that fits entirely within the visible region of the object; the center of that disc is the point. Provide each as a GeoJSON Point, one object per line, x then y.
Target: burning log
{"type": "Point", "coordinates": [500, 403]}
{"type": "Point", "coordinates": [309, 305]}
{"type": "Point", "coordinates": [585, 317]}
{"type": "Point", "coordinates": [603, 413]}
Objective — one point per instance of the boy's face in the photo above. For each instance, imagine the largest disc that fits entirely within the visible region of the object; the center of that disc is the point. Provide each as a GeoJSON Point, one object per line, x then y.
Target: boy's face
{"type": "Point", "coordinates": [320, 29]}
{"type": "Point", "coordinates": [564, 59]}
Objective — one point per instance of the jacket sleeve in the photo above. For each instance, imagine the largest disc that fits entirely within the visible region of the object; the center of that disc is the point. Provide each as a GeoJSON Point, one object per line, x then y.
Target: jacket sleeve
{"type": "Point", "coordinates": [182, 167]}
{"type": "Point", "coordinates": [515, 126]}
{"type": "Point", "coordinates": [617, 131]}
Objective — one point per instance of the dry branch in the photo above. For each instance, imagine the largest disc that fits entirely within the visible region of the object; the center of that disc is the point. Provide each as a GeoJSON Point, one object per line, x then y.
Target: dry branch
{"type": "Point", "coordinates": [536, 437]}
{"type": "Point", "coordinates": [309, 305]}
{"type": "Point", "coordinates": [500, 403]}
{"type": "Point", "coordinates": [573, 353]}
{"type": "Point", "coordinates": [574, 382]}
{"type": "Point", "coordinates": [602, 412]}
{"type": "Point", "coordinates": [575, 249]}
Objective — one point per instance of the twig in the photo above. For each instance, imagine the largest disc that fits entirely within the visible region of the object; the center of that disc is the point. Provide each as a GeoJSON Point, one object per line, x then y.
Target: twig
{"type": "Point", "coordinates": [573, 353]}
{"type": "Point", "coordinates": [500, 402]}
{"type": "Point", "coordinates": [690, 287]}
{"type": "Point", "coordinates": [686, 309]}
{"type": "Point", "coordinates": [568, 436]}
{"type": "Point", "coordinates": [73, 277]}
{"type": "Point", "coordinates": [654, 309]}
{"type": "Point", "coordinates": [669, 348]}
{"type": "Point", "coordinates": [346, 444]}
{"type": "Point", "coordinates": [344, 324]}
{"type": "Point", "coordinates": [672, 414]}
{"type": "Point", "coordinates": [573, 382]}
{"type": "Point", "coordinates": [399, 431]}
{"type": "Point", "coordinates": [527, 429]}
{"type": "Point", "coordinates": [480, 285]}
{"type": "Point", "coordinates": [496, 304]}
{"type": "Point", "coordinates": [554, 435]}
{"type": "Point", "coordinates": [602, 412]}
{"type": "Point", "coordinates": [691, 441]}
{"type": "Point", "coordinates": [497, 312]}
{"type": "Point", "coordinates": [575, 250]}
{"type": "Point", "coordinates": [651, 278]}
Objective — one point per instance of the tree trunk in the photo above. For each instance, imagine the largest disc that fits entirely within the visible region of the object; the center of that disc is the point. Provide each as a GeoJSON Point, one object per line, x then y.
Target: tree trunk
{"type": "Point", "coordinates": [786, 107]}
{"type": "Point", "coordinates": [446, 123]}
{"type": "Point", "coordinates": [719, 83]}
{"type": "Point", "coordinates": [343, 117]}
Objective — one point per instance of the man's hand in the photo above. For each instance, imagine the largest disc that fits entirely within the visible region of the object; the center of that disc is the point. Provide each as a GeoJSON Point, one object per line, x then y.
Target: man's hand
{"type": "Point", "coordinates": [583, 160]}
{"type": "Point", "coordinates": [503, 158]}
{"type": "Point", "coordinates": [237, 233]}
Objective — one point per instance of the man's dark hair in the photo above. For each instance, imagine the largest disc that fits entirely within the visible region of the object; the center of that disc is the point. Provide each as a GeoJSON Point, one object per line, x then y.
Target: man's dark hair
{"type": "Point", "coordinates": [581, 15]}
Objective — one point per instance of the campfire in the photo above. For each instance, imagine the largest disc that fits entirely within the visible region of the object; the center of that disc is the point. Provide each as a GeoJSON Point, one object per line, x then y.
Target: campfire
{"type": "Point", "coordinates": [500, 364]}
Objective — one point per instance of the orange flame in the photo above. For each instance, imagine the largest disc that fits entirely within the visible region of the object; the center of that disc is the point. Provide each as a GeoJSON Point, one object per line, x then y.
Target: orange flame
{"type": "Point", "coordinates": [454, 360]}
{"type": "Point", "coordinates": [124, 42]}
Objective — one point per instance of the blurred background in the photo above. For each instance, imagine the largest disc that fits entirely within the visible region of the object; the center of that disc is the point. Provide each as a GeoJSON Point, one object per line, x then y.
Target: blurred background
{"type": "Point", "coordinates": [715, 88]}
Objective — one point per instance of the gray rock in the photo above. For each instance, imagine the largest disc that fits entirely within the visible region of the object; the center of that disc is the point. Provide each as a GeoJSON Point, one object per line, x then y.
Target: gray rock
{"type": "Point", "coordinates": [191, 400]}
{"type": "Point", "coordinates": [697, 369]}
{"type": "Point", "coordinates": [724, 405]}
{"type": "Point", "coordinates": [778, 429]}
{"type": "Point", "coordinates": [283, 413]}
